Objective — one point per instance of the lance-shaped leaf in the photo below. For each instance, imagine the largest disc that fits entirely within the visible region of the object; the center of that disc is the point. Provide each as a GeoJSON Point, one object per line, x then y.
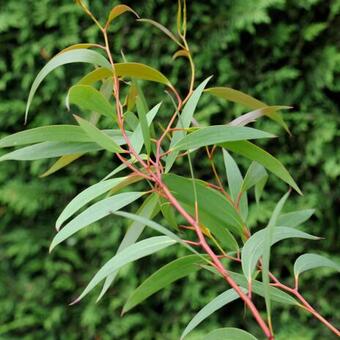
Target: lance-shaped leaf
{"type": "Point", "coordinates": [61, 163]}
{"type": "Point", "coordinates": [162, 278]}
{"type": "Point", "coordinates": [218, 134]}
{"type": "Point", "coordinates": [253, 248]}
{"type": "Point", "coordinates": [49, 150]}
{"type": "Point", "coordinates": [184, 122]}
{"type": "Point", "coordinates": [148, 210]}
{"type": "Point", "coordinates": [235, 180]}
{"type": "Point", "coordinates": [94, 213]}
{"type": "Point", "coordinates": [215, 212]}
{"type": "Point", "coordinates": [268, 240]}
{"type": "Point", "coordinates": [99, 73]}
{"type": "Point", "coordinates": [144, 124]}
{"type": "Point", "coordinates": [50, 133]}
{"type": "Point", "coordinates": [163, 29]}
{"type": "Point", "coordinates": [117, 11]}
{"type": "Point", "coordinates": [88, 98]}
{"type": "Point", "coordinates": [85, 197]}
{"type": "Point", "coordinates": [132, 253]}
{"type": "Point", "coordinates": [214, 305]}
{"type": "Point", "coordinates": [78, 46]}
{"type": "Point", "coordinates": [98, 136]}
{"type": "Point", "coordinates": [255, 173]}
{"type": "Point", "coordinates": [255, 153]}
{"type": "Point", "coordinates": [229, 333]}
{"type": "Point", "coordinates": [295, 218]}
{"type": "Point", "coordinates": [73, 56]}
{"type": "Point", "coordinates": [311, 261]}
{"type": "Point", "coordinates": [248, 101]}
{"type": "Point", "coordinates": [259, 186]}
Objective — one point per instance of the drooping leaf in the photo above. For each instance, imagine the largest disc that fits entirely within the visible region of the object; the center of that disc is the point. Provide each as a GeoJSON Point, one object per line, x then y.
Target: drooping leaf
{"type": "Point", "coordinates": [73, 56]}
{"type": "Point", "coordinates": [235, 180]}
{"type": "Point", "coordinates": [98, 136]}
{"type": "Point", "coordinates": [295, 218]}
{"type": "Point", "coordinates": [255, 173]}
{"type": "Point", "coordinates": [255, 153]}
{"type": "Point", "coordinates": [94, 213]}
{"type": "Point", "coordinates": [85, 197]}
{"type": "Point", "coordinates": [218, 134]}
{"type": "Point", "coordinates": [311, 261]}
{"type": "Point", "coordinates": [268, 240]}
{"type": "Point", "coordinates": [132, 253]}
{"type": "Point", "coordinates": [88, 98]}
{"type": "Point", "coordinates": [117, 11]}
{"type": "Point", "coordinates": [144, 124]}
{"type": "Point", "coordinates": [78, 46]}
{"type": "Point", "coordinates": [61, 163]}
{"type": "Point", "coordinates": [217, 303]}
{"type": "Point", "coordinates": [180, 53]}
{"type": "Point", "coordinates": [229, 333]}
{"type": "Point", "coordinates": [163, 29]}
{"type": "Point", "coordinates": [184, 122]}
{"type": "Point", "coordinates": [162, 278]}
{"type": "Point", "coordinates": [215, 212]}
{"type": "Point", "coordinates": [148, 210]}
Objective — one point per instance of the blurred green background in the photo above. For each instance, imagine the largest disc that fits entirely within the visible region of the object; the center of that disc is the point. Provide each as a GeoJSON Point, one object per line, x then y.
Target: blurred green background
{"type": "Point", "coordinates": [281, 51]}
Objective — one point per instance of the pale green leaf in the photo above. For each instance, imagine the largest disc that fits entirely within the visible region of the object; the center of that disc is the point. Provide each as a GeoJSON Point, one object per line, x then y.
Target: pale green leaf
{"type": "Point", "coordinates": [229, 333]}
{"type": "Point", "coordinates": [295, 218]}
{"type": "Point", "coordinates": [144, 124]}
{"type": "Point", "coordinates": [255, 173]}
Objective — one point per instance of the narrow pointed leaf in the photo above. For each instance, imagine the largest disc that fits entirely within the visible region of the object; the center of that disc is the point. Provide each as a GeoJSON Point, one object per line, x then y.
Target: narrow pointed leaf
{"type": "Point", "coordinates": [217, 303]}
{"type": "Point", "coordinates": [253, 248]}
{"type": "Point", "coordinates": [144, 124]}
{"type": "Point", "coordinates": [94, 213]}
{"type": "Point", "coordinates": [62, 162]}
{"type": "Point", "coordinates": [312, 261]}
{"type": "Point", "coordinates": [259, 187]}
{"type": "Point", "coordinates": [162, 278]}
{"type": "Point", "coordinates": [148, 209]}
{"type": "Point", "coordinates": [99, 73]}
{"type": "Point", "coordinates": [255, 173]}
{"type": "Point", "coordinates": [73, 56]}
{"type": "Point", "coordinates": [78, 46]}
{"type": "Point", "coordinates": [132, 253]}
{"type": "Point", "coordinates": [295, 218]}
{"type": "Point", "coordinates": [184, 122]}
{"type": "Point", "coordinates": [85, 197]}
{"type": "Point", "coordinates": [229, 333]}
{"type": "Point", "coordinates": [98, 136]}
{"type": "Point", "coordinates": [88, 98]}
{"type": "Point", "coordinates": [255, 153]}
{"type": "Point", "coordinates": [117, 11]}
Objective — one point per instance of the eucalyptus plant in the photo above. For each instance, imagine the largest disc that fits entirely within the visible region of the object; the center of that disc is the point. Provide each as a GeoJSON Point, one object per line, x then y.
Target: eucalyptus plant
{"type": "Point", "coordinates": [207, 218]}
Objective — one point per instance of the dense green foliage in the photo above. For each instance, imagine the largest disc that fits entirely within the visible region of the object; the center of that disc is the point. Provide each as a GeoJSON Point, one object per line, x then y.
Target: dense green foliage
{"type": "Point", "coordinates": [279, 51]}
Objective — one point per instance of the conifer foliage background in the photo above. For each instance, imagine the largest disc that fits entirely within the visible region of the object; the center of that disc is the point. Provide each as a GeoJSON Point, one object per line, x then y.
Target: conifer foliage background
{"type": "Point", "coordinates": [280, 51]}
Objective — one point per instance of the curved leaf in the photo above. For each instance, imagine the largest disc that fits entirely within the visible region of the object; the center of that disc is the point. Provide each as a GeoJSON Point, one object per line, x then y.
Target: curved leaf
{"type": "Point", "coordinates": [218, 134]}
{"type": "Point", "coordinates": [255, 173]}
{"type": "Point", "coordinates": [253, 248]}
{"type": "Point", "coordinates": [117, 11]}
{"type": "Point", "coordinates": [132, 253]}
{"type": "Point", "coordinates": [255, 153]}
{"type": "Point", "coordinates": [94, 213]}
{"type": "Point", "coordinates": [88, 98]}
{"type": "Point", "coordinates": [163, 277]}
{"type": "Point", "coordinates": [311, 261]}
{"type": "Point", "coordinates": [99, 73]}
{"type": "Point", "coordinates": [61, 163]}
{"type": "Point", "coordinates": [144, 124]}
{"type": "Point", "coordinates": [73, 56]}
{"type": "Point", "coordinates": [295, 218]}
{"type": "Point", "coordinates": [217, 303]}
{"type": "Point", "coordinates": [229, 333]}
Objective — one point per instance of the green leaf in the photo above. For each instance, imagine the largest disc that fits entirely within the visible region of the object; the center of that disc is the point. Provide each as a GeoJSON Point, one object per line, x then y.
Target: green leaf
{"type": "Point", "coordinates": [88, 98]}
{"type": "Point", "coordinates": [215, 212]}
{"type": "Point", "coordinates": [310, 261]}
{"type": "Point", "coordinates": [259, 186]}
{"type": "Point", "coordinates": [144, 124]}
{"type": "Point", "coordinates": [295, 218]}
{"type": "Point", "coordinates": [218, 134]}
{"type": "Point", "coordinates": [235, 180]}
{"type": "Point", "coordinates": [98, 136]}
{"type": "Point", "coordinates": [168, 212]}
{"type": "Point", "coordinates": [217, 303]}
{"type": "Point", "coordinates": [61, 163]}
{"type": "Point", "coordinates": [229, 333]}
{"type": "Point", "coordinates": [162, 278]}
{"type": "Point", "coordinates": [73, 56]}
{"type": "Point", "coordinates": [148, 209]}
{"type": "Point", "coordinates": [99, 73]}
{"type": "Point", "coordinates": [255, 173]}
{"type": "Point", "coordinates": [184, 122]}
{"type": "Point", "coordinates": [85, 197]}
{"type": "Point", "coordinates": [255, 153]}
{"type": "Point", "coordinates": [117, 11]}
{"type": "Point", "coordinates": [94, 213]}
{"type": "Point", "coordinates": [50, 133]}
{"type": "Point", "coordinates": [163, 29]}
{"type": "Point", "coordinates": [132, 253]}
